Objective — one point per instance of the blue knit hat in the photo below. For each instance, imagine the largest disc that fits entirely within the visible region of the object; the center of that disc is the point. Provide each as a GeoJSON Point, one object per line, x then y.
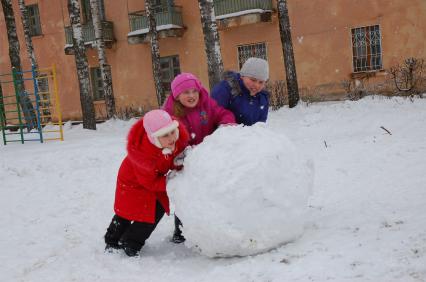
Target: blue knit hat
{"type": "Point", "coordinates": [256, 68]}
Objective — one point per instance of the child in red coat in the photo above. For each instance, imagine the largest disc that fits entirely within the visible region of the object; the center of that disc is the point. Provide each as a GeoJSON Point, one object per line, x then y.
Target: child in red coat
{"type": "Point", "coordinates": [141, 198]}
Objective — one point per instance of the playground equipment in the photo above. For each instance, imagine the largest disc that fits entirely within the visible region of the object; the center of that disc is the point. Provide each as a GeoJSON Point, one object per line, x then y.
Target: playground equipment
{"type": "Point", "coordinates": [29, 106]}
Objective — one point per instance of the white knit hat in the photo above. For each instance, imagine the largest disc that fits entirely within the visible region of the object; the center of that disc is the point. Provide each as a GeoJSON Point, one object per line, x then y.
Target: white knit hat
{"type": "Point", "coordinates": [255, 67]}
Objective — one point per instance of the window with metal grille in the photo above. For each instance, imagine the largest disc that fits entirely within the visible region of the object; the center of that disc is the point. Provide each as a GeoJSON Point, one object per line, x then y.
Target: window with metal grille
{"type": "Point", "coordinates": [367, 48]}
{"type": "Point", "coordinates": [96, 81]}
{"type": "Point", "coordinates": [34, 20]}
{"type": "Point", "coordinates": [170, 67]}
{"type": "Point", "coordinates": [257, 50]}
{"type": "Point", "coordinates": [43, 91]}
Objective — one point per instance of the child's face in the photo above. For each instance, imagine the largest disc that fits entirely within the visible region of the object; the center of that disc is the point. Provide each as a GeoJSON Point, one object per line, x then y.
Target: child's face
{"type": "Point", "coordinates": [168, 140]}
{"type": "Point", "coordinates": [253, 85]}
{"type": "Point", "coordinates": [189, 98]}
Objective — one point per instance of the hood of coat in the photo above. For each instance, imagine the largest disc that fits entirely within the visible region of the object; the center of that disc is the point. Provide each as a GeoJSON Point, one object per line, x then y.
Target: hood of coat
{"type": "Point", "coordinates": [139, 146]}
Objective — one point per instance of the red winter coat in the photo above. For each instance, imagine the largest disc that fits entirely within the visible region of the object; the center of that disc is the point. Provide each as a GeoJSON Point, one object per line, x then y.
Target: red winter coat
{"type": "Point", "coordinates": [141, 179]}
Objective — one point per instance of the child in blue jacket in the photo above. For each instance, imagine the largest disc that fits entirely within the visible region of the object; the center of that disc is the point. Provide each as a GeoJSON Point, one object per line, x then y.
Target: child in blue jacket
{"type": "Point", "coordinates": [244, 93]}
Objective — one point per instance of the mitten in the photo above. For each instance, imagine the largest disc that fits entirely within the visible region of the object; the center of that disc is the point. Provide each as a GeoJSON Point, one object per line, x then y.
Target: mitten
{"type": "Point", "coordinates": [179, 159]}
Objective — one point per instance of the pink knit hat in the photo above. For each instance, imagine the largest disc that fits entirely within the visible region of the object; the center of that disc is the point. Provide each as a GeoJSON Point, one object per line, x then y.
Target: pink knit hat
{"type": "Point", "coordinates": [185, 81]}
{"type": "Point", "coordinates": [158, 123]}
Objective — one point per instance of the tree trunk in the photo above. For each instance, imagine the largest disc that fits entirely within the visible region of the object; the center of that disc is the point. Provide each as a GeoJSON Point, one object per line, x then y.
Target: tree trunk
{"type": "Point", "coordinates": [86, 100]}
{"type": "Point", "coordinates": [27, 35]}
{"type": "Point", "coordinates": [155, 52]}
{"type": "Point", "coordinates": [287, 46]}
{"type": "Point", "coordinates": [211, 41]}
{"type": "Point", "coordinates": [103, 63]}
{"type": "Point", "coordinates": [15, 61]}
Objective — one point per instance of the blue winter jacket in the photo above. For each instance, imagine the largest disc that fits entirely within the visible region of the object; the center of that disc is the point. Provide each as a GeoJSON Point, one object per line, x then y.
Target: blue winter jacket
{"type": "Point", "coordinates": [247, 109]}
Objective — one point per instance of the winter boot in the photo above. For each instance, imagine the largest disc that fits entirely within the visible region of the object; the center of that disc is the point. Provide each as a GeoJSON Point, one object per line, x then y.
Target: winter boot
{"type": "Point", "coordinates": [131, 248]}
{"type": "Point", "coordinates": [117, 227]}
{"type": "Point", "coordinates": [177, 234]}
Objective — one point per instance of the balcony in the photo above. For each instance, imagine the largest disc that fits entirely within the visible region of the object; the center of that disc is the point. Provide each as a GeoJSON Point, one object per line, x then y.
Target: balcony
{"type": "Point", "coordinates": [89, 36]}
{"type": "Point", "coordinates": [232, 13]}
{"type": "Point", "coordinates": [168, 19]}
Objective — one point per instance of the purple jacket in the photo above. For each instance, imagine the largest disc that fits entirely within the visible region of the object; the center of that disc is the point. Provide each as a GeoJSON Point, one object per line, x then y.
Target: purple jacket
{"type": "Point", "coordinates": [203, 119]}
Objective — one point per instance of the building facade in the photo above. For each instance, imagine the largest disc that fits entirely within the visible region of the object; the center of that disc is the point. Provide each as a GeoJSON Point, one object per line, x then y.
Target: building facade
{"type": "Point", "coordinates": [335, 42]}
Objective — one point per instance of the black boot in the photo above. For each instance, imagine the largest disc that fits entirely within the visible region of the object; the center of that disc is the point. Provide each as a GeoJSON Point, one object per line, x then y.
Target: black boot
{"type": "Point", "coordinates": [177, 234]}
{"type": "Point", "coordinates": [131, 249]}
{"type": "Point", "coordinates": [114, 232]}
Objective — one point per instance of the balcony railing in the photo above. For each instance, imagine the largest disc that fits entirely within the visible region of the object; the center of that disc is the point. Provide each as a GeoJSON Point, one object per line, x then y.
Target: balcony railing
{"type": "Point", "coordinates": [225, 7]}
{"type": "Point", "coordinates": [89, 32]}
{"type": "Point", "coordinates": [171, 15]}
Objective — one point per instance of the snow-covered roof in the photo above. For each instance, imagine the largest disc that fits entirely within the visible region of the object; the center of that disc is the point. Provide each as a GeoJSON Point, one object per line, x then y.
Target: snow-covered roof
{"type": "Point", "coordinates": [159, 27]}
{"type": "Point", "coordinates": [241, 13]}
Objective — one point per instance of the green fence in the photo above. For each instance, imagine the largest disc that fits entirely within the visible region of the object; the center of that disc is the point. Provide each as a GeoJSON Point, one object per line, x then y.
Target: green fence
{"type": "Point", "coordinates": [89, 32]}
{"type": "Point", "coordinates": [163, 16]}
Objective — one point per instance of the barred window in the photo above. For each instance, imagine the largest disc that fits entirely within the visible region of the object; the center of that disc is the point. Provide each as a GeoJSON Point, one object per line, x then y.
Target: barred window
{"type": "Point", "coordinates": [97, 86]}
{"type": "Point", "coordinates": [257, 50]}
{"type": "Point", "coordinates": [43, 90]}
{"type": "Point", "coordinates": [170, 67]}
{"type": "Point", "coordinates": [367, 48]}
{"type": "Point", "coordinates": [43, 83]}
{"type": "Point", "coordinates": [34, 20]}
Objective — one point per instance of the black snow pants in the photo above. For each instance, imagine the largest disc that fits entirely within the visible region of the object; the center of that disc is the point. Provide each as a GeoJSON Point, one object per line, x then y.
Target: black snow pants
{"type": "Point", "coordinates": [131, 235]}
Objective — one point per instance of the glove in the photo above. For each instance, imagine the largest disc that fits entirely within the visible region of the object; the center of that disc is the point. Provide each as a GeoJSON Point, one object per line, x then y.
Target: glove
{"type": "Point", "coordinates": [179, 159]}
{"type": "Point", "coordinates": [171, 174]}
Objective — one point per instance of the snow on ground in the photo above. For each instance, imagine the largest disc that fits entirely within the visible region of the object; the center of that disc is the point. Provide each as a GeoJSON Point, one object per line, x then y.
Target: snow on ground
{"type": "Point", "coordinates": [368, 211]}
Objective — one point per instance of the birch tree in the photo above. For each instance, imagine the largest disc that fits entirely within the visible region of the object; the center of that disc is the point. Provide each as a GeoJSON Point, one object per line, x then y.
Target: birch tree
{"type": "Point", "coordinates": [15, 61]}
{"type": "Point", "coordinates": [287, 47]}
{"type": "Point", "coordinates": [155, 52]}
{"type": "Point", "coordinates": [211, 41]}
{"type": "Point", "coordinates": [86, 100]}
{"type": "Point", "coordinates": [31, 55]}
{"type": "Point", "coordinates": [103, 62]}
{"type": "Point", "coordinates": [27, 33]}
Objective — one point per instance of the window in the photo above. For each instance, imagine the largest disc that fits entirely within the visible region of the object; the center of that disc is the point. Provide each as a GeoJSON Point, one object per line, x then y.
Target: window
{"type": "Point", "coordinates": [87, 11]}
{"type": "Point", "coordinates": [43, 91]}
{"type": "Point", "coordinates": [97, 86]}
{"type": "Point", "coordinates": [367, 48]}
{"type": "Point", "coordinates": [170, 67]}
{"type": "Point", "coordinates": [257, 50]}
{"type": "Point", "coordinates": [34, 20]}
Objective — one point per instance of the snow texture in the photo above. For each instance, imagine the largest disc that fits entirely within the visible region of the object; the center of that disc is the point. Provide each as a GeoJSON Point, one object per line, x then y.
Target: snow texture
{"type": "Point", "coordinates": [367, 212]}
{"type": "Point", "coordinates": [244, 190]}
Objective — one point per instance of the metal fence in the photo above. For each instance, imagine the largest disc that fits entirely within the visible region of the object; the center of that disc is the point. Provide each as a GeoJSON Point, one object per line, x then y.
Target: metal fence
{"type": "Point", "coordinates": [224, 7]}
{"type": "Point", "coordinates": [163, 16]}
{"type": "Point", "coordinates": [89, 32]}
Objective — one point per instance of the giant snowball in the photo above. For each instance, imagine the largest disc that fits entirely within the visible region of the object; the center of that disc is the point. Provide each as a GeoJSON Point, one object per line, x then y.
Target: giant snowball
{"type": "Point", "coordinates": [244, 190]}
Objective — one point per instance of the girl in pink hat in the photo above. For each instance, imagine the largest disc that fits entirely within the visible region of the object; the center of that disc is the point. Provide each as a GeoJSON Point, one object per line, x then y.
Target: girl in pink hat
{"type": "Point", "coordinates": [141, 198]}
{"type": "Point", "coordinates": [191, 104]}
